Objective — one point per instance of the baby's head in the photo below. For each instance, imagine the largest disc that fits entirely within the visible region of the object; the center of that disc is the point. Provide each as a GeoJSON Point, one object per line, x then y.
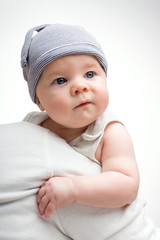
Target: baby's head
{"type": "Point", "coordinates": [52, 42]}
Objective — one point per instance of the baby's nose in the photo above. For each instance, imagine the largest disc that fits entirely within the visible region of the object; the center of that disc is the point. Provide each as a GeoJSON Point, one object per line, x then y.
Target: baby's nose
{"type": "Point", "coordinates": [78, 88]}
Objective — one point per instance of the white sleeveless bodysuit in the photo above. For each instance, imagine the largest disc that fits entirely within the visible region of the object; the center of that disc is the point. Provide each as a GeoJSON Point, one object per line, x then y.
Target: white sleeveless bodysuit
{"type": "Point", "coordinates": [81, 222]}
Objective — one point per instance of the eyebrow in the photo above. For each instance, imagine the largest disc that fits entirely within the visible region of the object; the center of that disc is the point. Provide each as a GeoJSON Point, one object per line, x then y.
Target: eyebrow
{"type": "Point", "coordinates": [89, 65]}
{"type": "Point", "coordinates": [54, 73]}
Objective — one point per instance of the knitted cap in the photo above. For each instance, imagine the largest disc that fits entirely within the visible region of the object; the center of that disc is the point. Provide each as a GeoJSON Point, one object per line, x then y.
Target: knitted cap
{"type": "Point", "coordinates": [52, 42]}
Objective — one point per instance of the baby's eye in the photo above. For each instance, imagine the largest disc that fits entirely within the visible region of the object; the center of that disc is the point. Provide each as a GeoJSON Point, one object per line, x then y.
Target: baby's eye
{"type": "Point", "coordinates": [89, 74]}
{"type": "Point", "coordinates": [60, 81]}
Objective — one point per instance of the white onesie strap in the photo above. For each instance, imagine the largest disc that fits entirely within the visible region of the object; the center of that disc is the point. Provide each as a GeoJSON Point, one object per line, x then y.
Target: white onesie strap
{"type": "Point", "coordinates": [88, 142]}
{"type": "Point", "coordinates": [96, 129]}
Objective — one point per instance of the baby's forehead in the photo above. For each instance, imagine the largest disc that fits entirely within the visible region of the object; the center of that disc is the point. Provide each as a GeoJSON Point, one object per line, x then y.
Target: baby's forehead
{"type": "Point", "coordinates": [70, 62]}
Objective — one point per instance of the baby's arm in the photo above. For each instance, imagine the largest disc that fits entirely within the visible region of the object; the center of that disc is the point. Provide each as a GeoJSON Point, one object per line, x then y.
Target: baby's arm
{"type": "Point", "coordinates": [115, 187]}
{"type": "Point", "coordinates": [118, 183]}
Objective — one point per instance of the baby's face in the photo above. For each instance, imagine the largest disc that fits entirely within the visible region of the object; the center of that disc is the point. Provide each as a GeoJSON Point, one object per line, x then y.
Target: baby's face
{"type": "Point", "coordinates": [73, 91]}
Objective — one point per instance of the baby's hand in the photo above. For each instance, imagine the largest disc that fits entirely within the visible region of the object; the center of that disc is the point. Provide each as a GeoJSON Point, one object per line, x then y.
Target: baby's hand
{"type": "Point", "coordinates": [56, 192]}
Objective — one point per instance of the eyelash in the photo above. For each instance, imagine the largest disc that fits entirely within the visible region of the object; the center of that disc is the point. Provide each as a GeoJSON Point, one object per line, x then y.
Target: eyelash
{"type": "Point", "coordinates": [61, 80]}
{"type": "Point", "coordinates": [90, 72]}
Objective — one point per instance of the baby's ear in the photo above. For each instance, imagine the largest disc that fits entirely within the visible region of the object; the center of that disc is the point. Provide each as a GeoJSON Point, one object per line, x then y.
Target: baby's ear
{"type": "Point", "coordinates": [39, 104]}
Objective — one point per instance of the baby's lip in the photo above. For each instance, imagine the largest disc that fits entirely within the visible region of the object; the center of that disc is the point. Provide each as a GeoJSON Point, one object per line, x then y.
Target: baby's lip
{"type": "Point", "coordinates": [82, 104]}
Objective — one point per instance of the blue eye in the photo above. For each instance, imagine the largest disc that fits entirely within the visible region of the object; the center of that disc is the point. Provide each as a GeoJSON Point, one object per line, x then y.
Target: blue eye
{"type": "Point", "coordinates": [89, 74]}
{"type": "Point", "coordinates": [60, 81]}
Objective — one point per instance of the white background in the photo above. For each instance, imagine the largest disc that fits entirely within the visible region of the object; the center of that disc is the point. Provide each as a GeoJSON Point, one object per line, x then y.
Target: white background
{"type": "Point", "coordinates": [129, 32]}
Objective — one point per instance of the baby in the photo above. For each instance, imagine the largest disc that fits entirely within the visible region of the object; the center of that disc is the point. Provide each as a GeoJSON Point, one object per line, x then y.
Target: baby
{"type": "Point", "coordinates": [66, 70]}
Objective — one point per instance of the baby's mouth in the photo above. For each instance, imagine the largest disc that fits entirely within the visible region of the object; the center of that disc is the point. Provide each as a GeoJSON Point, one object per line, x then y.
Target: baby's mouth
{"type": "Point", "coordinates": [83, 104]}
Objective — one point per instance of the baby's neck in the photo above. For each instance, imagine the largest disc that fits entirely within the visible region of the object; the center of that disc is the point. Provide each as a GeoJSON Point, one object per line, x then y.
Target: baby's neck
{"type": "Point", "coordinates": [68, 134]}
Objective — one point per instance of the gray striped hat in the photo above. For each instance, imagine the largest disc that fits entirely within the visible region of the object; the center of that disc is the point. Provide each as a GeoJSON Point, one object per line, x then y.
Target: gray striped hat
{"type": "Point", "coordinates": [51, 42]}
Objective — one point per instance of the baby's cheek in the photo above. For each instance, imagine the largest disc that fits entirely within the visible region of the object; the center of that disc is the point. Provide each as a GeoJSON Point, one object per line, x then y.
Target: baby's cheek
{"type": "Point", "coordinates": [103, 101]}
{"type": "Point", "coordinates": [103, 96]}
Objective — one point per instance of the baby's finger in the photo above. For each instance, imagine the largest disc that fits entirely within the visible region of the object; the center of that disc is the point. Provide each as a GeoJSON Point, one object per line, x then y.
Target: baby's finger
{"type": "Point", "coordinates": [49, 209]}
{"type": "Point", "coordinates": [41, 194]}
{"type": "Point", "coordinates": [43, 204]}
